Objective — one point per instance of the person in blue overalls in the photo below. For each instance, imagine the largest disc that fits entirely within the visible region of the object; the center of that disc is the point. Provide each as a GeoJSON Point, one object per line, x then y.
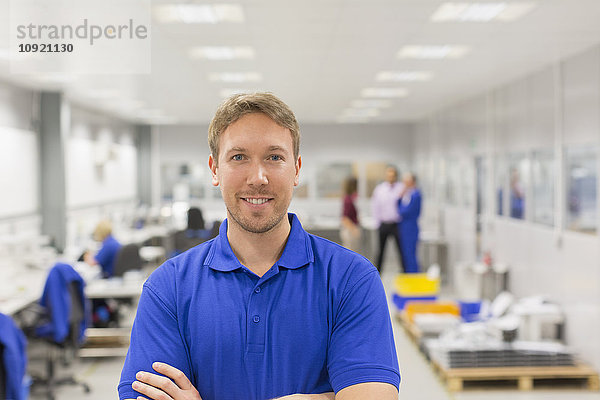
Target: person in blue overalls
{"type": "Point", "coordinates": [108, 252]}
{"type": "Point", "coordinates": [409, 208]}
{"type": "Point", "coordinates": [104, 311]}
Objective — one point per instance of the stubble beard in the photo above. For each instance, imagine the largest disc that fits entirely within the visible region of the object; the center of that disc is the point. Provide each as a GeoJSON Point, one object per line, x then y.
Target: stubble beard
{"type": "Point", "coordinates": [256, 225]}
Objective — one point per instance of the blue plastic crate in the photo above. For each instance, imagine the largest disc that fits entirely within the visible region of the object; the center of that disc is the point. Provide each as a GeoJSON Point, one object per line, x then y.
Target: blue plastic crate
{"type": "Point", "coordinates": [400, 301]}
{"type": "Point", "coordinates": [469, 310]}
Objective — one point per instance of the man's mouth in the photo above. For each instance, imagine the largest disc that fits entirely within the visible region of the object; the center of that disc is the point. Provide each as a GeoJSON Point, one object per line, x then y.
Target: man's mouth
{"type": "Point", "coordinates": [256, 201]}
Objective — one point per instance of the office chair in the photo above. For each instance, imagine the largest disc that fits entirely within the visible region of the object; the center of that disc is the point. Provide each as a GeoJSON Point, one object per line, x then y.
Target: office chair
{"type": "Point", "coordinates": [128, 258]}
{"type": "Point", "coordinates": [195, 219]}
{"type": "Point", "coordinates": [13, 360]}
{"type": "Point", "coordinates": [68, 349]}
{"type": "Point", "coordinates": [60, 326]}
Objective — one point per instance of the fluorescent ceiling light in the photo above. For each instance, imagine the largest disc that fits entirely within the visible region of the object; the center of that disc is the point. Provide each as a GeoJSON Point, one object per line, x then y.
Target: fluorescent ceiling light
{"type": "Point", "coordinates": [235, 77]}
{"type": "Point", "coordinates": [199, 13]}
{"type": "Point", "coordinates": [222, 52]}
{"type": "Point", "coordinates": [481, 12]}
{"type": "Point", "coordinates": [371, 103]}
{"type": "Point", "coordinates": [433, 52]}
{"type": "Point", "coordinates": [230, 92]}
{"type": "Point", "coordinates": [410, 76]}
{"type": "Point", "coordinates": [515, 11]}
{"type": "Point", "coordinates": [384, 92]}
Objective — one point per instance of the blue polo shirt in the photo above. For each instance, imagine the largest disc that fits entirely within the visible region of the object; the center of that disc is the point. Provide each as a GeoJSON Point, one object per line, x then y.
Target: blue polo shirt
{"type": "Point", "coordinates": [107, 254]}
{"type": "Point", "coordinates": [316, 322]}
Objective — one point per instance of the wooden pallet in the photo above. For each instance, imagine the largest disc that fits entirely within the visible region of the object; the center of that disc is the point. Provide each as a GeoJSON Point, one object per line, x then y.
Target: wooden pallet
{"type": "Point", "coordinates": [525, 377]}
{"type": "Point", "coordinates": [105, 342]}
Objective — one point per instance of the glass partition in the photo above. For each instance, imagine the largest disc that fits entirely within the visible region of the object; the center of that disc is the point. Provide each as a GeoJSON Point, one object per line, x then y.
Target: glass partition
{"type": "Point", "coordinates": [543, 175]}
{"type": "Point", "coordinates": [581, 189]}
{"type": "Point", "coordinates": [518, 173]}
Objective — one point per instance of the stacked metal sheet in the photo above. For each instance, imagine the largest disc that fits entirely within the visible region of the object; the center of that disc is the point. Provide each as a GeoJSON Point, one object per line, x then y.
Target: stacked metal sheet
{"type": "Point", "coordinates": [518, 354]}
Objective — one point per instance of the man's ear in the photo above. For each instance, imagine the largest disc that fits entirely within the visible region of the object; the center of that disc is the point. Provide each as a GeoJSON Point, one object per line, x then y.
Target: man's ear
{"type": "Point", "coordinates": [212, 164]}
{"type": "Point", "coordinates": [298, 166]}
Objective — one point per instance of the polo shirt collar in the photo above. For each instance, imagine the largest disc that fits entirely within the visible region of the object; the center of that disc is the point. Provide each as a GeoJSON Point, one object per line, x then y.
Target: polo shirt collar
{"type": "Point", "coordinates": [297, 252]}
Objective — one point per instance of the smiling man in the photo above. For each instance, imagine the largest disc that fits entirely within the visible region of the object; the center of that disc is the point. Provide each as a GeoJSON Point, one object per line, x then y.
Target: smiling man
{"type": "Point", "coordinates": [265, 310]}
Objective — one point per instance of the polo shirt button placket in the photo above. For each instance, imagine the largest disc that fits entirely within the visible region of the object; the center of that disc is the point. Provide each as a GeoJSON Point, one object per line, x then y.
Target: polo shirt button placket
{"type": "Point", "coordinates": [257, 290]}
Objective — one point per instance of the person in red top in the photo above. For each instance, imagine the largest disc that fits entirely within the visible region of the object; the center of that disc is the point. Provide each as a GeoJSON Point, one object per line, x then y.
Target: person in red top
{"type": "Point", "coordinates": [350, 232]}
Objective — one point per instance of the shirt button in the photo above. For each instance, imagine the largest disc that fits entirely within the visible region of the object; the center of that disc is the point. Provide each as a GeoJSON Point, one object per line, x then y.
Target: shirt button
{"type": "Point", "coordinates": [257, 290]}
{"type": "Point", "coordinates": [256, 319]}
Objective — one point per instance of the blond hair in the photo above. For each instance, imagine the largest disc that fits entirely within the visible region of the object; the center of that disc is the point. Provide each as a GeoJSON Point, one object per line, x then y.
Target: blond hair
{"type": "Point", "coordinates": [103, 230]}
{"type": "Point", "coordinates": [239, 105]}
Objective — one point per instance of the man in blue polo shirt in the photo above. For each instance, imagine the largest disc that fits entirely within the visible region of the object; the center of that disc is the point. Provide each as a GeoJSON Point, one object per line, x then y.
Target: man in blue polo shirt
{"type": "Point", "coordinates": [264, 310]}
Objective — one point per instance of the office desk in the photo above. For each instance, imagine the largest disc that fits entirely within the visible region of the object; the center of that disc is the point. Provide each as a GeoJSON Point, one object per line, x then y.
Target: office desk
{"type": "Point", "coordinates": [20, 286]}
{"type": "Point", "coordinates": [114, 289]}
{"type": "Point", "coordinates": [139, 236]}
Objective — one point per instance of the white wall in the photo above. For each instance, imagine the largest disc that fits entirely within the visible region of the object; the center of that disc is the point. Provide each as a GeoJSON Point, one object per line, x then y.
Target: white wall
{"type": "Point", "coordinates": [101, 172]}
{"type": "Point", "coordinates": [549, 109]}
{"type": "Point", "coordinates": [19, 203]}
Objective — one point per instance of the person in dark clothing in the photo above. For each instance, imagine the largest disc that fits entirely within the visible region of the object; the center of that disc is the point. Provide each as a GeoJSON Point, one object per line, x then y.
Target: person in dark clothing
{"type": "Point", "coordinates": [350, 232]}
{"type": "Point", "coordinates": [384, 203]}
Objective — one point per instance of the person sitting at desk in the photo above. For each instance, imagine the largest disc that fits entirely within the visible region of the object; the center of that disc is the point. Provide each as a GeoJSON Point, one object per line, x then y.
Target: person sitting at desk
{"type": "Point", "coordinates": [108, 252]}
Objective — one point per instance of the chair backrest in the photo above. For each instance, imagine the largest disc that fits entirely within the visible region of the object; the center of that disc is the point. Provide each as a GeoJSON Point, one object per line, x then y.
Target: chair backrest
{"type": "Point", "coordinates": [2, 373]}
{"type": "Point", "coordinates": [215, 229]}
{"type": "Point", "coordinates": [128, 258]}
{"type": "Point", "coordinates": [195, 219]}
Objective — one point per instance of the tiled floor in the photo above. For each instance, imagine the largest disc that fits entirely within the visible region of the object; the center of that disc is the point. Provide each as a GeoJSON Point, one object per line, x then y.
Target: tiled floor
{"type": "Point", "coordinates": [419, 382]}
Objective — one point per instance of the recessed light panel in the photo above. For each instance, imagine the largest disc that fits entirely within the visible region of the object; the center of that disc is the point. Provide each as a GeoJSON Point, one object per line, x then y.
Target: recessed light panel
{"type": "Point", "coordinates": [199, 13]}
{"type": "Point", "coordinates": [235, 77]}
{"type": "Point", "coordinates": [408, 76]}
{"type": "Point", "coordinates": [228, 92]}
{"type": "Point", "coordinates": [222, 52]}
{"type": "Point", "coordinates": [384, 92]}
{"type": "Point", "coordinates": [481, 12]}
{"type": "Point", "coordinates": [433, 52]}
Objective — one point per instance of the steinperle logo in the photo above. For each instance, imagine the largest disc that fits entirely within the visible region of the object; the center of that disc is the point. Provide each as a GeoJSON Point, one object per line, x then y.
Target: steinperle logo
{"type": "Point", "coordinates": [91, 32]}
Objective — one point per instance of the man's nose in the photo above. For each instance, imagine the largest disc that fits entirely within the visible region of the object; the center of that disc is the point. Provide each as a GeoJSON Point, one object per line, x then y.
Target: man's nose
{"type": "Point", "coordinates": [257, 175]}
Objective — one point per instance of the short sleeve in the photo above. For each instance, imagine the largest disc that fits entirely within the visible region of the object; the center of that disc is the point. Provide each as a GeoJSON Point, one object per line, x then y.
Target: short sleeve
{"type": "Point", "coordinates": [155, 337]}
{"type": "Point", "coordinates": [362, 347]}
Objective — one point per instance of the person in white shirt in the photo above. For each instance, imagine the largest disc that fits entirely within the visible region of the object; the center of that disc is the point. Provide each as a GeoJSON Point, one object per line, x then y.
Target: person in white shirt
{"type": "Point", "coordinates": [384, 203]}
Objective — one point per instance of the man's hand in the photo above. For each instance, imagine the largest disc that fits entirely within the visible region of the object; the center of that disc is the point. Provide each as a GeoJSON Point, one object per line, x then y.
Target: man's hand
{"type": "Point", "coordinates": [157, 387]}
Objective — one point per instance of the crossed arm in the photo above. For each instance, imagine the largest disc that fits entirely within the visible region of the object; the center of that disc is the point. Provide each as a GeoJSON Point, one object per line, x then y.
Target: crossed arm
{"type": "Point", "coordinates": [174, 385]}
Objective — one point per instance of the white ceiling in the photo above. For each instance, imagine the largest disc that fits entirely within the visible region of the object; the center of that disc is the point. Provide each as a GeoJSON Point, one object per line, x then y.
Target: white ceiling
{"type": "Point", "coordinates": [319, 54]}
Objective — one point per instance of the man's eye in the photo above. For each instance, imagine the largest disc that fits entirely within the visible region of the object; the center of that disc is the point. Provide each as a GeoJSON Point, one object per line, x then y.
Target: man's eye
{"type": "Point", "coordinates": [237, 157]}
{"type": "Point", "coordinates": [275, 157]}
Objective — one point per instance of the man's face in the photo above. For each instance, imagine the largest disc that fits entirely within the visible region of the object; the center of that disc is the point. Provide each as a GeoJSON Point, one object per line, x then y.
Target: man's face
{"type": "Point", "coordinates": [390, 175]}
{"type": "Point", "coordinates": [256, 171]}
